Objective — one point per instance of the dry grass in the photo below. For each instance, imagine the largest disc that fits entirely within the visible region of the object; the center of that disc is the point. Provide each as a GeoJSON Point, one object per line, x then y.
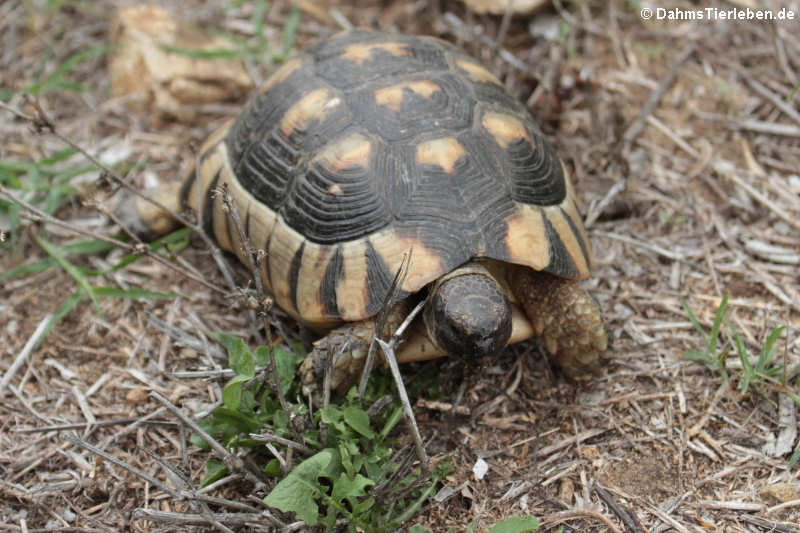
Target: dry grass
{"type": "Point", "coordinates": [685, 193]}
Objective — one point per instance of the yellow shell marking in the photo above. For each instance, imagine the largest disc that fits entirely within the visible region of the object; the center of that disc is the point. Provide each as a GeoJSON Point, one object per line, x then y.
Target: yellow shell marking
{"type": "Point", "coordinates": [444, 152]}
{"type": "Point", "coordinates": [425, 266]}
{"type": "Point", "coordinates": [362, 52]}
{"type": "Point", "coordinates": [392, 97]}
{"type": "Point", "coordinates": [527, 241]}
{"type": "Point", "coordinates": [504, 128]}
{"type": "Point", "coordinates": [477, 72]}
{"type": "Point", "coordinates": [314, 105]}
{"type": "Point", "coordinates": [345, 154]}
{"type": "Point", "coordinates": [351, 291]}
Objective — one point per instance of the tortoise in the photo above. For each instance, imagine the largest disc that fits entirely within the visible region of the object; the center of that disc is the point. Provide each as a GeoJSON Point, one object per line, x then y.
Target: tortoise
{"type": "Point", "coordinates": [370, 145]}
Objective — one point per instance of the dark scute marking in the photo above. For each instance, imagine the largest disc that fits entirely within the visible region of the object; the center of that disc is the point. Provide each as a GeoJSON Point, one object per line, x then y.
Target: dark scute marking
{"type": "Point", "coordinates": [577, 235]}
{"type": "Point", "coordinates": [560, 261]}
{"type": "Point", "coordinates": [267, 268]}
{"type": "Point", "coordinates": [396, 164]}
{"type": "Point", "coordinates": [334, 273]}
{"type": "Point", "coordinates": [265, 160]}
{"type": "Point", "coordinates": [448, 109]}
{"type": "Point", "coordinates": [294, 273]}
{"type": "Point", "coordinates": [361, 207]}
{"type": "Point", "coordinates": [266, 169]}
{"type": "Point", "coordinates": [379, 280]}
{"type": "Point", "coordinates": [531, 168]}
{"type": "Point", "coordinates": [498, 98]}
{"type": "Point", "coordinates": [186, 187]}
{"type": "Point", "coordinates": [490, 195]}
{"type": "Point", "coordinates": [208, 205]}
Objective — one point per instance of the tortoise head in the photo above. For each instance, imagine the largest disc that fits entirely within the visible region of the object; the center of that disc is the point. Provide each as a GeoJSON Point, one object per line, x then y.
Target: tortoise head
{"type": "Point", "coordinates": [468, 313]}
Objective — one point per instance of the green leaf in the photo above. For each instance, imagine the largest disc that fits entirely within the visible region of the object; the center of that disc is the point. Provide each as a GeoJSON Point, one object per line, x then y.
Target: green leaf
{"type": "Point", "coordinates": [333, 417]}
{"type": "Point", "coordinates": [348, 489]}
{"type": "Point", "coordinates": [215, 470]}
{"type": "Point", "coordinates": [358, 420]}
{"type": "Point", "coordinates": [240, 358]}
{"type": "Point", "coordinates": [273, 468]}
{"type": "Point", "coordinates": [297, 492]}
{"type": "Point", "coordinates": [232, 393]}
{"type": "Point", "coordinates": [286, 361]}
{"type": "Point", "coordinates": [517, 524]}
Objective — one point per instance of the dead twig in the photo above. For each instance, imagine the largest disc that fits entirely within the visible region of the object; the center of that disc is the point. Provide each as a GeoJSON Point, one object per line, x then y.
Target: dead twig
{"type": "Point", "coordinates": [767, 525]}
{"type": "Point", "coordinates": [656, 95]}
{"type": "Point", "coordinates": [232, 462]}
{"type": "Point", "coordinates": [623, 514]}
{"type": "Point", "coordinates": [388, 353]}
{"type": "Point", "coordinates": [132, 248]}
{"type": "Point", "coordinates": [554, 519]}
{"type": "Point", "coordinates": [33, 341]}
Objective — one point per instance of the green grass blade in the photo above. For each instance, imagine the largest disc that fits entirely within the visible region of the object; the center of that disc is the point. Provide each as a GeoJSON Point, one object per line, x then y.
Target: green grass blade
{"type": "Point", "coordinates": [56, 253]}
{"type": "Point", "coordinates": [90, 247]}
{"type": "Point", "coordinates": [795, 456]}
{"type": "Point", "coordinates": [747, 369]}
{"type": "Point", "coordinates": [416, 505]}
{"type": "Point", "coordinates": [219, 53]}
{"type": "Point", "coordinates": [290, 30]}
{"type": "Point", "coordinates": [63, 310]}
{"type": "Point", "coordinates": [52, 81]}
{"type": "Point", "coordinates": [132, 294]}
{"type": "Point", "coordinates": [768, 351]}
{"type": "Point", "coordinates": [720, 316]}
{"type": "Point", "coordinates": [696, 323]}
{"type": "Point", "coordinates": [257, 21]}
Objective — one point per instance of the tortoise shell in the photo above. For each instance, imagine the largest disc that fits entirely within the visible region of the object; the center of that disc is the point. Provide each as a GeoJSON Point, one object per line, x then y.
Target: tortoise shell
{"type": "Point", "coordinates": [369, 145]}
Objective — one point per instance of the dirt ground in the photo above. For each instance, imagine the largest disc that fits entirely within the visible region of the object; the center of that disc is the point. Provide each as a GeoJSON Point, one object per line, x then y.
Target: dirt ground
{"type": "Point", "coordinates": [683, 139]}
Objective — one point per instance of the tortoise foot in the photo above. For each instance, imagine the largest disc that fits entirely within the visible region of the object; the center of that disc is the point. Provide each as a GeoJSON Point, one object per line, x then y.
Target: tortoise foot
{"type": "Point", "coordinates": [567, 320]}
{"type": "Point", "coordinates": [344, 349]}
{"type": "Point", "coordinates": [145, 219]}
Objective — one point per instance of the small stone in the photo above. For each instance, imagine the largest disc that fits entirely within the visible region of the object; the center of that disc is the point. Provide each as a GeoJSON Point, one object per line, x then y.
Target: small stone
{"type": "Point", "coordinates": [137, 396]}
{"type": "Point", "coordinates": [480, 468]}
{"type": "Point", "coordinates": [779, 493]}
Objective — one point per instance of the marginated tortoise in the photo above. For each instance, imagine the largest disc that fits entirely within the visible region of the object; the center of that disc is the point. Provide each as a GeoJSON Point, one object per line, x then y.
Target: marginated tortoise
{"type": "Point", "coordinates": [368, 146]}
